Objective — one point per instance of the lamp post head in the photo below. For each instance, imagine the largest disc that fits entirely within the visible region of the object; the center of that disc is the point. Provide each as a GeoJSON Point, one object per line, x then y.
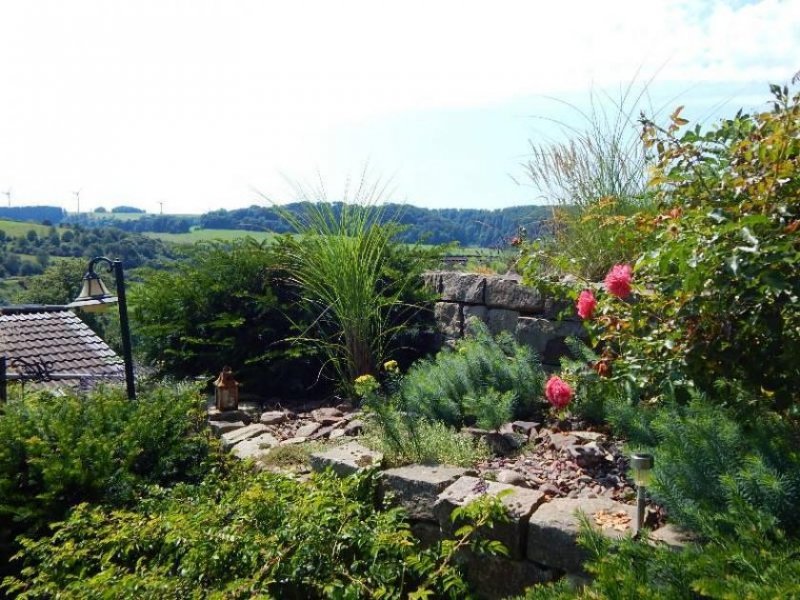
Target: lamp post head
{"type": "Point", "coordinates": [94, 296]}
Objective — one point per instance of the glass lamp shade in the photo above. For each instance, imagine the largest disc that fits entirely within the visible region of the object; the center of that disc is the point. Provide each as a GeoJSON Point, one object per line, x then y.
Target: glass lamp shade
{"type": "Point", "coordinates": [642, 465]}
{"type": "Point", "coordinates": [94, 296]}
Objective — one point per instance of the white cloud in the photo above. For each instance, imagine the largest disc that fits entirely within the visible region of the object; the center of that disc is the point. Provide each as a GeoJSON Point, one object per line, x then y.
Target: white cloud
{"type": "Point", "coordinates": [194, 101]}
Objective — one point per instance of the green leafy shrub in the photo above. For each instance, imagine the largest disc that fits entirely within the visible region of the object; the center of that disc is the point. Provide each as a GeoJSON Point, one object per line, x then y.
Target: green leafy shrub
{"type": "Point", "coordinates": [59, 451]}
{"type": "Point", "coordinates": [464, 385]}
{"type": "Point", "coordinates": [717, 296]}
{"type": "Point", "coordinates": [250, 535]}
{"type": "Point", "coordinates": [710, 461]}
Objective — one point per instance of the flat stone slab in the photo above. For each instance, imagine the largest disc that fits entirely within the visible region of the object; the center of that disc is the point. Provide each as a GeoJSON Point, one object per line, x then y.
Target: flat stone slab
{"type": "Point", "coordinates": [553, 529]}
{"type": "Point", "coordinates": [228, 415]}
{"type": "Point", "coordinates": [274, 417]}
{"type": "Point", "coordinates": [346, 459]}
{"type": "Point", "coordinates": [220, 427]}
{"type": "Point", "coordinates": [254, 447]}
{"type": "Point", "coordinates": [232, 438]}
{"type": "Point", "coordinates": [307, 430]}
{"type": "Point", "coordinates": [672, 537]}
{"type": "Point", "coordinates": [519, 504]}
{"type": "Point", "coordinates": [509, 293]}
{"type": "Point", "coordinates": [416, 487]}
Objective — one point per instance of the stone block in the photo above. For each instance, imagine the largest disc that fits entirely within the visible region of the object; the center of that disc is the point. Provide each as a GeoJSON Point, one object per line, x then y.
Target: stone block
{"type": "Point", "coordinates": [220, 427]}
{"type": "Point", "coordinates": [520, 503]}
{"type": "Point", "coordinates": [254, 447]}
{"type": "Point", "coordinates": [416, 487]}
{"type": "Point", "coordinates": [496, 577]}
{"type": "Point", "coordinates": [553, 530]}
{"type": "Point", "coordinates": [546, 337]}
{"type": "Point", "coordinates": [473, 312]}
{"type": "Point", "coordinates": [231, 416]}
{"type": "Point", "coordinates": [501, 319]}
{"type": "Point", "coordinates": [511, 294]}
{"type": "Point", "coordinates": [462, 287]}
{"type": "Point", "coordinates": [346, 459]}
{"type": "Point", "coordinates": [232, 438]}
{"type": "Point", "coordinates": [449, 318]}
{"type": "Point", "coordinates": [428, 534]}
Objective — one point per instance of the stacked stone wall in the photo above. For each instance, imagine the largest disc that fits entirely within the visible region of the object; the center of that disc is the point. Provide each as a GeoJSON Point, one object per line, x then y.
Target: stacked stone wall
{"type": "Point", "coordinates": [504, 304]}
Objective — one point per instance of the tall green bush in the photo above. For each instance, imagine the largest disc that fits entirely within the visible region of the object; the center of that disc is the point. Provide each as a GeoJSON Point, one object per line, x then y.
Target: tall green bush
{"type": "Point", "coordinates": [224, 303]}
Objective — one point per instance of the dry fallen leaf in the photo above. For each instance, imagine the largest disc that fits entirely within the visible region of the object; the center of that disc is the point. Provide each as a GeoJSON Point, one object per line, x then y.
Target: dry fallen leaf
{"type": "Point", "coordinates": [618, 520]}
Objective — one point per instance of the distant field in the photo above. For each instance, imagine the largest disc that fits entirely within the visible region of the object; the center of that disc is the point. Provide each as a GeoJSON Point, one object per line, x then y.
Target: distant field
{"type": "Point", "coordinates": [18, 228]}
{"type": "Point", "coordinates": [204, 235]}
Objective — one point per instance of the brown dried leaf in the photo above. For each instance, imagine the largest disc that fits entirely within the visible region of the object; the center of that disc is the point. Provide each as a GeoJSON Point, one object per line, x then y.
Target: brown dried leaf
{"type": "Point", "coordinates": [617, 520]}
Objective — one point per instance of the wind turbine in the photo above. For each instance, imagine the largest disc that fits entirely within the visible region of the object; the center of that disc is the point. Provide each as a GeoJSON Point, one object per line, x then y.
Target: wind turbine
{"type": "Point", "coordinates": [161, 205]}
{"type": "Point", "coordinates": [8, 195]}
{"type": "Point", "coordinates": [78, 199]}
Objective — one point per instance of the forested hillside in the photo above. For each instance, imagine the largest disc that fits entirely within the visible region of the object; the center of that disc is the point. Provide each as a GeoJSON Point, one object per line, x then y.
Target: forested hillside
{"type": "Point", "coordinates": [31, 252]}
{"type": "Point", "coordinates": [468, 227]}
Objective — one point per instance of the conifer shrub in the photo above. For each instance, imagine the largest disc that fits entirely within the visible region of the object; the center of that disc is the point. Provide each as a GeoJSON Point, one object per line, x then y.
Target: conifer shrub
{"type": "Point", "coordinates": [755, 561]}
{"type": "Point", "coordinates": [485, 380]}
{"type": "Point", "coordinates": [252, 535]}
{"type": "Point", "coordinates": [59, 451]}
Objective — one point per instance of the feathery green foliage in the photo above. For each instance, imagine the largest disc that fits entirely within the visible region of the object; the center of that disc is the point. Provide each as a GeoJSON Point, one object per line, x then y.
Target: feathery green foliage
{"type": "Point", "coordinates": [224, 303]}
{"type": "Point", "coordinates": [456, 386]}
{"type": "Point", "coordinates": [756, 561]}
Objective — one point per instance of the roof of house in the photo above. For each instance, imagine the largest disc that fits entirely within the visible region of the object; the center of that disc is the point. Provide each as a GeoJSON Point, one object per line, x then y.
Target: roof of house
{"type": "Point", "coordinates": [58, 341]}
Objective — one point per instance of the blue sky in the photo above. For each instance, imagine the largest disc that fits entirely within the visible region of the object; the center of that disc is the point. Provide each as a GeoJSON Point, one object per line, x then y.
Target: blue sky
{"type": "Point", "coordinates": [201, 104]}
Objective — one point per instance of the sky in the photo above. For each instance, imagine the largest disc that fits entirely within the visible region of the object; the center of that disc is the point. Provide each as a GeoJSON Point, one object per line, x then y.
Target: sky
{"type": "Point", "coordinates": [201, 105]}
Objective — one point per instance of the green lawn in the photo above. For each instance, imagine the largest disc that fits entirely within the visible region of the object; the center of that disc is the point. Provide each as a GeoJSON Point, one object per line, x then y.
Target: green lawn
{"type": "Point", "coordinates": [20, 228]}
{"type": "Point", "coordinates": [203, 235]}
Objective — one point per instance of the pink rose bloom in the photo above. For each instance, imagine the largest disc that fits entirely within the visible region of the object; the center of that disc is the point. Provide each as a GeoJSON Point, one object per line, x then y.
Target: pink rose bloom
{"type": "Point", "coordinates": [586, 304]}
{"type": "Point", "coordinates": [618, 281]}
{"type": "Point", "coordinates": [558, 392]}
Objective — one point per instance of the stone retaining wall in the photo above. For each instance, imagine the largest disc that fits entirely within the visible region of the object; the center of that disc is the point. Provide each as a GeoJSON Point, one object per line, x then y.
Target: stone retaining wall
{"type": "Point", "coordinates": [504, 304]}
{"type": "Point", "coordinates": [540, 535]}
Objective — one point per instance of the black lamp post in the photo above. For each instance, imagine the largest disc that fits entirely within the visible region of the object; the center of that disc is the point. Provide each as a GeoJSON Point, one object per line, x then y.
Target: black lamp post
{"type": "Point", "coordinates": [95, 297]}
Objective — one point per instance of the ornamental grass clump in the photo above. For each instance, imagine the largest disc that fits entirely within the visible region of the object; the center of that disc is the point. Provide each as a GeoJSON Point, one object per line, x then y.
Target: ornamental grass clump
{"type": "Point", "coordinates": [360, 284]}
{"type": "Point", "coordinates": [597, 181]}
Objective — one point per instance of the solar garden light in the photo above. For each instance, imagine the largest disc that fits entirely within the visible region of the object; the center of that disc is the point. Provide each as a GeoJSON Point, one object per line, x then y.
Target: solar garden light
{"type": "Point", "coordinates": [642, 465]}
{"type": "Point", "coordinates": [95, 297]}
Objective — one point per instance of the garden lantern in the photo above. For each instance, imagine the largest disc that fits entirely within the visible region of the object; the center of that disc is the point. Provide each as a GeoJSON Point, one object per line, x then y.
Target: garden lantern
{"type": "Point", "coordinates": [642, 465]}
{"type": "Point", "coordinates": [226, 391]}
